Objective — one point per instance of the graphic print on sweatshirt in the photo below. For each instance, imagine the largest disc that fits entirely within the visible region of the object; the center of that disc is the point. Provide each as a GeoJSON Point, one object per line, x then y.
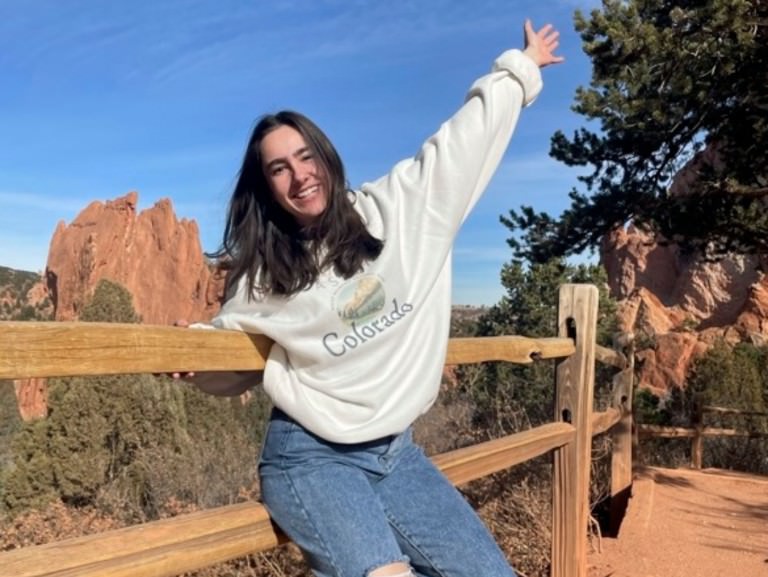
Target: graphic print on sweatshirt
{"type": "Point", "coordinates": [361, 303]}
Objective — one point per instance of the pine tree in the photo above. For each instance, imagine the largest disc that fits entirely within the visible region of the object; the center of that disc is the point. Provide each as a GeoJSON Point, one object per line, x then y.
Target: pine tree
{"type": "Point", "coordinates": [111, 303]}
{"type": "Point", "coordinates": [673, 83]}
{"type": "Point", "coordinates": [511, 397]}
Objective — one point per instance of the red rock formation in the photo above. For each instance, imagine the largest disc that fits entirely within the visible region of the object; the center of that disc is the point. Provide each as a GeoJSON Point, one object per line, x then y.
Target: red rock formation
{"type": "Point", "coordinates": [154, 255]}
{"type": "Point", "coordinates": [37, 294]}
{"type": "Point", "coordinates": [753, 318]}
{"type": "Point", "coordinates": [684, 304]}
{"type": "Point", "coordinates": [32, 398]}
{"type": "Point", "coordinates": [157, 257]}
{"type": "Point", "coordinates": [666, 296]}
{"type": "Point", "coordinates": [633, 259]}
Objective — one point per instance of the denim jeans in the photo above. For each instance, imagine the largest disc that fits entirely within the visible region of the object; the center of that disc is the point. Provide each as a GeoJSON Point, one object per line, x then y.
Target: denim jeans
{"type": "Point", "coordinates": [354, 508]}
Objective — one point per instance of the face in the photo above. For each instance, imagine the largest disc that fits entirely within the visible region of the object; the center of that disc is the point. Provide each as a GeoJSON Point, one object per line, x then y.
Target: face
{"type": "Point", "coordinates": [295, 176]}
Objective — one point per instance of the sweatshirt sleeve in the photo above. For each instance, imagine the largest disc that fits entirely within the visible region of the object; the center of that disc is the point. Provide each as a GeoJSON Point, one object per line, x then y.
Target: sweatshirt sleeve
{"type": "Point", "coordinates": [432, 193]}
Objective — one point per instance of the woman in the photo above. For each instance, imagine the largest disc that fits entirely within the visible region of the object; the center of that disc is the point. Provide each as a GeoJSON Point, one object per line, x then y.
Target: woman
{"type": "Point", "coordinates": [354, 289]}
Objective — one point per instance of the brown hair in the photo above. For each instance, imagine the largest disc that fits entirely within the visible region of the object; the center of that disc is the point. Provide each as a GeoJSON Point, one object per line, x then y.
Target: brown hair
{"type": "Point", "coordinates": [266, 245]}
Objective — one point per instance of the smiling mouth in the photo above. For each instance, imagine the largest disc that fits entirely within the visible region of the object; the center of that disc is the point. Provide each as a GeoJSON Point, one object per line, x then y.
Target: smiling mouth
{"type": "Point", "coordinates": [307, 192]}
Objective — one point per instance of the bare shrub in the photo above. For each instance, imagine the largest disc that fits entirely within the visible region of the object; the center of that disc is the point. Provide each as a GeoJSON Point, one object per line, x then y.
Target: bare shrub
{"type": "Point", "coordinates": [54, 522]}
{"type": "Point", "coordinates": [516, 505]}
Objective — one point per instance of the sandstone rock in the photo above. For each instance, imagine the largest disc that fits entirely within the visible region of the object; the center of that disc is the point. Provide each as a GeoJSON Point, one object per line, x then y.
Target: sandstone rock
{"type": "Point", "coordinates": [715, 292]}
{"type": "Point", "coordinates": [664, 293]}
{"type": "Point", "coordinates": [753, 318]}
{"type": "Point", "coordinates": [643, 312]}
{"type": "Point", "coordinates": [32, 398]}
{"type": "Point", "coordinates": [632, 258]}
{"type": "Point", "coordinates": [38, 293]}
{"type": "Point", "coordinates": [666, 365]}
{"type": "Point", "coordinates": [157, 257]}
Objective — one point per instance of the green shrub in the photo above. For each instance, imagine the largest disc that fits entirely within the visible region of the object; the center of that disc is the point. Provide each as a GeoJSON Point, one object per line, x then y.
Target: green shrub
{"type": "Point", "coordinates": [733, 377]}
{"type": "Point", "coordinates": [514, 397]}
{"type": "Point", "coordinates": [131, 443]}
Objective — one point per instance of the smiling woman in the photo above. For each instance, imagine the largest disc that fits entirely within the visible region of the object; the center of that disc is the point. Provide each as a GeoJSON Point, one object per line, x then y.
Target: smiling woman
{"type": "Point", "coordinates": [298, 182]}
{"type": "Point", "coordinates": [291, 215]}
{"type": "Point", "coordinates": [353, 287]}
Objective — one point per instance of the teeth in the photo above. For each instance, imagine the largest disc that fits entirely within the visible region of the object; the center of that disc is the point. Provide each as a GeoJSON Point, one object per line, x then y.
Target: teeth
{"type": "Point", "coordinates": [306, 192]}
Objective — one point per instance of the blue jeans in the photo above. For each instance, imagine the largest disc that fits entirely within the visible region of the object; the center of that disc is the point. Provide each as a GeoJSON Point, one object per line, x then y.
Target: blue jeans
{"type": "Point", "coordinates": [354, 508]}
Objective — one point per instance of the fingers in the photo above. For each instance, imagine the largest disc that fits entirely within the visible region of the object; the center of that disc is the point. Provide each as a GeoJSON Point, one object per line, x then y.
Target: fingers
{"type": "Point", "coordinates": [541, 44]}
{"type": "Point", "coordinates": [528, 30]}
{"type": "Point", "coordinates": [175, 376]}
{"type": "Point", "coordinates": [547, 35]}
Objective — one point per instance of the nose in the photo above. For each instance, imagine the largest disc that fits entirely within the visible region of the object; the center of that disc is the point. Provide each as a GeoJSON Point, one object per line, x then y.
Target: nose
{"type": "Point", "coordinates": [301, 173]}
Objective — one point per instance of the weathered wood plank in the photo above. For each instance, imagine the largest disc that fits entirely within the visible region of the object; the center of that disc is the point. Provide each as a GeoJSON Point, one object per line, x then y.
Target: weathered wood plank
{"type": "Point", "coordinates": [601, 422]}
{"type": "Point", "coordinates": [513, 349]}
{"type": "Point", "coordinates": [697, 422]}
{"type": "Point", "coordinates": [172, 546]}
{"type": "Point", "coordinates": [52, 349]}
{"type": "Point", "coordinates": [715, 432]}
{"type": "Point", "coordinates": [682, 432]}
{"type": "Point", "coordinates": [577, 319]}
{"type": "Point", "coordinates": [622, 441]}
{"type": "Point", "coordinates": [467, 464]}
{"type": "Point", "coordinates": [660, 431]}
{"type": "Point", "coordinates": [610, 357]}
{"type": "Point", "coordinates": [727, 411]}
{"type": "Point", "coordinates": [160, 548]}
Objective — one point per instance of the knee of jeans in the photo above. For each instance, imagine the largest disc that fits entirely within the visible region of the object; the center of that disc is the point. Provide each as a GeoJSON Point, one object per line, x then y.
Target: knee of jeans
{"type": "Point", "coordinates": [392, 570]}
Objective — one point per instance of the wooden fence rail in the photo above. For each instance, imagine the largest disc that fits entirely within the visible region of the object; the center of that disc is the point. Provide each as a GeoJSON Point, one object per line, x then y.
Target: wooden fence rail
{"type": "Point", "coordinates": [193, 541]}
{"type": "Point", "coordinates": [697, 432]}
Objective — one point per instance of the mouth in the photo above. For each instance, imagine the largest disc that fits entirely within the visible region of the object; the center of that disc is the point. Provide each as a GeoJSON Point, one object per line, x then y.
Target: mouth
{"type": "Point", "coordinates": [307, 192]}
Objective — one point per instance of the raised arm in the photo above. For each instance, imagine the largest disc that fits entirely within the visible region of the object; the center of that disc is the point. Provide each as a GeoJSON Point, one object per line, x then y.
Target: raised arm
{"type": "Point", "coordinates": [435, 190]}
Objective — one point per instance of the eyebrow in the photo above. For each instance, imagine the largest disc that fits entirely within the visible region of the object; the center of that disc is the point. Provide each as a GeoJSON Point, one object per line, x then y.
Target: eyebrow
{"type": "Point", "coordinates": [282, 160]}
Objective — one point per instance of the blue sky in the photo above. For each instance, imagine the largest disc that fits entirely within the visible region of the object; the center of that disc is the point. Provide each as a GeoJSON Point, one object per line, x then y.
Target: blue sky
{"type": "Point", "coordinates": [100, 98]}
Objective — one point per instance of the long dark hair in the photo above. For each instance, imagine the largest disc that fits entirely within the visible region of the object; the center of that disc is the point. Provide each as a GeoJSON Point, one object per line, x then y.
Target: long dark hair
{"type": "Point", "coordinates": [266, 245]}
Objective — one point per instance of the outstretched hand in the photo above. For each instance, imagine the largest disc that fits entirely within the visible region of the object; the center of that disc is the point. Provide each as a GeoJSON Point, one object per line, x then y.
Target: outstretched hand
{"type": "Point", "coordinates": [540, 45]}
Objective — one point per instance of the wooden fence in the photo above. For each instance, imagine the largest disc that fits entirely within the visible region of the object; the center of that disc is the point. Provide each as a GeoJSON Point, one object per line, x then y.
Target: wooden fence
{"type": "Point", "coordinates": [697, 432]}
{"type": "Point", "coordinates": [172, 546]}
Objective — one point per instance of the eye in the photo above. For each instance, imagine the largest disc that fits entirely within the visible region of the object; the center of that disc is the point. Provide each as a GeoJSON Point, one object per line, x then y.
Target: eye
{"type": "Point", "coordinates": [277, 170]}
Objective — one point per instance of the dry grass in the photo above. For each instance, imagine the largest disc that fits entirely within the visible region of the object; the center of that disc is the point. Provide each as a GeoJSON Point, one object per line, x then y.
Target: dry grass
{"type": "Point", "coordinates": [515, 504]}
{"type": "Point", "coordinates": [55, 522]}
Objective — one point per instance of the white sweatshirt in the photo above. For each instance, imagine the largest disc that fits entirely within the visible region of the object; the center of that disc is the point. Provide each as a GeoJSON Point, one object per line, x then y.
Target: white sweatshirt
{"type": "Point", "coordinates": [362, 358]}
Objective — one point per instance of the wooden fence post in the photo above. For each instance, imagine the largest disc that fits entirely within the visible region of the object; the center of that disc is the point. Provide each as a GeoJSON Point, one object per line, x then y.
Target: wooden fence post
{"type": "Point", "coordinates": [697, 442]}
{"type": "Point", "coordinates": [622, 438]}
{"type": "Point", "coordinates": [575, 379]}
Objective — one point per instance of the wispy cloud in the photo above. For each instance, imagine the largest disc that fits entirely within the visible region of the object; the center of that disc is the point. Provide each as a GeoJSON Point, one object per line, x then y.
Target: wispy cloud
{"type": "Point", "coordinates": [52, 203]}
{"type": "Point", "coordinates": [176, 40]}
{"type": "Point", "coordinates": [100, 98]}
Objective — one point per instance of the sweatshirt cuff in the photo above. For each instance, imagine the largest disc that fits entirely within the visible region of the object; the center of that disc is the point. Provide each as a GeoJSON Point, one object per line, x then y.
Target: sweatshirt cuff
{"type": "Point", "coordinates": [522, 69]}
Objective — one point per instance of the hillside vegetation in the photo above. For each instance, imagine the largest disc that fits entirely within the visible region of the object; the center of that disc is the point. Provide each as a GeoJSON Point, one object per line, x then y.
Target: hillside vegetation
{"type": "Point", "coordinates": [673, 83]}
{"type": "Point", "coordinates": [15, 304]}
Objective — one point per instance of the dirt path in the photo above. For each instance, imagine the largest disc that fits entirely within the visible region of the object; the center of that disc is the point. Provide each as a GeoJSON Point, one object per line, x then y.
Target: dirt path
{"type": "Point", "coordinates": [684, 523]}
